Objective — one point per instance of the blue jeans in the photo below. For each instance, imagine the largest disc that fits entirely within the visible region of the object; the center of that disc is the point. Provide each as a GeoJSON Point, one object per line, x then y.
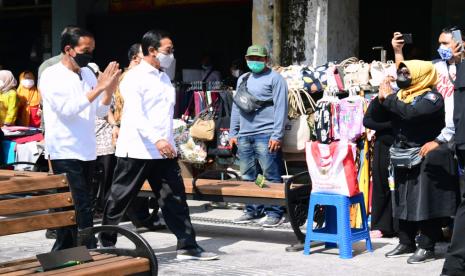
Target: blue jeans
{"type": "Point", "coordinates": [256, 158]}
{"type": "Point", "coordinates": [79, 175]}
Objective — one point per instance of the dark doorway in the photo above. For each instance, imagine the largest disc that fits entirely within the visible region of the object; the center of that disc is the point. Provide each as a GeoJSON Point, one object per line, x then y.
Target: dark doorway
{"type": "Point", "coordinates": [380, 19]}
{"type": "Point", "coordinates": [221, 30]}
{"type": "Point", "coordinates": [21, 44]}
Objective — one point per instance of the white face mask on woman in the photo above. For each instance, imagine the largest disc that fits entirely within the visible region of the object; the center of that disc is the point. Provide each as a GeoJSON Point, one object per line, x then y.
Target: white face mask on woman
{"type": "Point", "coordinates": [27, 83]}
{"type": "Point", "coordinates": [236, 73]}
{"type": "Point", "coordinates": [165, 60]}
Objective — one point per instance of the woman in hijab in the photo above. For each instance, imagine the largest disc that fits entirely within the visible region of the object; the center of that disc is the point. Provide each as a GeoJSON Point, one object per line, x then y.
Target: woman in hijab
{"type": "Point", "coordinates": [8, 98]}
{"type": "Point", "coordinates": [29, 112]}
{"type": "Point", "coordinates": [420, 200]}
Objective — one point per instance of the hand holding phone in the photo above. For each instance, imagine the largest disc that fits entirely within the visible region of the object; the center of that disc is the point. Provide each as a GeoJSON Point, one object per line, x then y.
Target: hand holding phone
{"type": "Point", "coordinates": [397, 42]}
{"type": "Point", "coordinates": [407, 38]}
{"type": "Point", "coordinates": [457, 36]}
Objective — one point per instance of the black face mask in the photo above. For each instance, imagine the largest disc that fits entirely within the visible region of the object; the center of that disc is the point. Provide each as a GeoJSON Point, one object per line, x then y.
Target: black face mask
{"type": "Point", "coordinates": [402, 81]}
{"type": "Point", "coordinates": [83, 59]}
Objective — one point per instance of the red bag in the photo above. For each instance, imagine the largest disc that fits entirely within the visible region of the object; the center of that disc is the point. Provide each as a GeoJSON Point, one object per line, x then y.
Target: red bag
{"type": "Point", "coordinates": [34, 119]}
{"type": "Point", "coordinates": [332, 168]}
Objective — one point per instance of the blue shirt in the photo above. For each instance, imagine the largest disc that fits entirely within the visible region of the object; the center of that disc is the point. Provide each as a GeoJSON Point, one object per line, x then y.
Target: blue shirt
{"type": "Point", "coordinates": [269, 119]}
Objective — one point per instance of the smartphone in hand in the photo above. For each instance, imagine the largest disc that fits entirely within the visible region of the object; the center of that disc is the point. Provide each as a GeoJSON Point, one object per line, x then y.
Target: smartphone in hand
{"type": "Point", "coordinates": [457, 36]}
{"type": "Point", "coordinates": [407, 38]}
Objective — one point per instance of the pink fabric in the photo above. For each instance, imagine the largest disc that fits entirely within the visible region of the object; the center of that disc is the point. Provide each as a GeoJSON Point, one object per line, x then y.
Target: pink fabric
{"type": "Point", "coordinates": [351, 118]}
{"type": "Point", "coordinates": [15, 128]}
{"type": "Point", "coordinates": [199, 102]}
{"type": "Point", "coordinates": [25, 139]}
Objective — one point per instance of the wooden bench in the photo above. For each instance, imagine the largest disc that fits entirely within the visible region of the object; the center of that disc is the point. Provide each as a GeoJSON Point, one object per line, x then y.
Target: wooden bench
{"type": "Point", "coordinates": [293, 196]}
{"type": "Point", "coordinates": [20, 214]}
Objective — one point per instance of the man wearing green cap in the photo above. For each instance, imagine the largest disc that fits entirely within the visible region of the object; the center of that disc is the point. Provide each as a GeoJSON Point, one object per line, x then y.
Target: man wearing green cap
{"type": "Point", "coordinates": [258, 132]}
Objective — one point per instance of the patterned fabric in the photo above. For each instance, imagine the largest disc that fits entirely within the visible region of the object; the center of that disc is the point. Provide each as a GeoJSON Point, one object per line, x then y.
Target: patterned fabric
{"type": "Point", "coordinates": [118, 103]}
{"type": "Point", "coordinates": [103, 134]}
{"type": "Point", "coordinates": [445, 86]}
{"type": "Point", "coordinates": [323, 122]}
{"type": "Point", "coordinates": [351, 118]}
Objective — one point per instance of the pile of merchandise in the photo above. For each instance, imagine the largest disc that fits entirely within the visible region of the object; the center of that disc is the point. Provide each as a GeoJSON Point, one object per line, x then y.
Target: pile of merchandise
{"type": "Point", "coordinates": [205, 132]}
{"type": "Point", "coordinates": [346, 75]}
{"type": "Point", "coordinates": [326, 109]}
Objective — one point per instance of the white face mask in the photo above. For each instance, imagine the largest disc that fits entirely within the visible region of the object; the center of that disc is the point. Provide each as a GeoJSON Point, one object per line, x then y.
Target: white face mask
{"type": "Point", "coordinates": [27, 83]}
{"type": "Point", "coordinates": [236, 73]}
{"type": "Point", "coordinates": [165, 60]}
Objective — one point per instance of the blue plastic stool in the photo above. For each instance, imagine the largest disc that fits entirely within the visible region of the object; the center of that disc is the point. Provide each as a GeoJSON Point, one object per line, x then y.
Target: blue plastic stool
{"type": "Point", "coordinates": [337, 230]}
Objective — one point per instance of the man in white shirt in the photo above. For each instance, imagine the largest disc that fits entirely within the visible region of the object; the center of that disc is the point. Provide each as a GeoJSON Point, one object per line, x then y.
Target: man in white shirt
{"type": "Point", "coordinates": [72, 97]}
{"type": "Point", "coordinates": [146, 150]}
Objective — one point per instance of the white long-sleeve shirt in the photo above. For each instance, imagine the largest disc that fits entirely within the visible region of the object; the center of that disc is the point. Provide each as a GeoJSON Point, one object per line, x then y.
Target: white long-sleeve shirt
{"type": "Point", "coordinates": [68, 114]}
{"type": "Point", "coordinates": [445, 86]}
{"type": "Point", "coordinates": [149, 100]}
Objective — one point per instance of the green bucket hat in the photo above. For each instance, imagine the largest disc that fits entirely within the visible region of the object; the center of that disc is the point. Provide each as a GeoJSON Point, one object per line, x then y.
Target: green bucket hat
{"type": "Point", "coordinates": [257, 50]}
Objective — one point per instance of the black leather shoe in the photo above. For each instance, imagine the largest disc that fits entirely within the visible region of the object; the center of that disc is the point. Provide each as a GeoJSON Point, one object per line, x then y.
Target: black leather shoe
{"type": "Point", "coordinates": [401, 250]}
{"type": "Point", "coordinates": [421, 256]}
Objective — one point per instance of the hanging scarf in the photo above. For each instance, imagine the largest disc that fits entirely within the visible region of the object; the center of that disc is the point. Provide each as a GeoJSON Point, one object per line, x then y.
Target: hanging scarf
{"type": "Point", "coordinates": [29, 101]}
{"type": "Point", "coordinates": [424, 76]}
{"type": "Point", "coordinates": [7, 81]}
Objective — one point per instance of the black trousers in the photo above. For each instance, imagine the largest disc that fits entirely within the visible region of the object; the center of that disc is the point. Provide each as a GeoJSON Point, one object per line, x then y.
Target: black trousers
{"type": "Point", "coordinates": [104, 168]}
{"type": "Point", "coordinates": [455, 258]}
{"type": "Point", "coordinates": [79, 174]}
{"type": "Point", "coordinates": [381, 210]}
{"type": "Point", "coordinates": [430, 232]}
{"type": "Point", "coordinates": [138, 212]}
{"type": "Point", "coordinates": [164, 176]}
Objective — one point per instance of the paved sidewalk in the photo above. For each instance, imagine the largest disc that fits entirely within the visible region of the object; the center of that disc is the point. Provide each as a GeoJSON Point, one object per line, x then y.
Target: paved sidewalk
{"type": "Point", "coordinates": [247, 251]}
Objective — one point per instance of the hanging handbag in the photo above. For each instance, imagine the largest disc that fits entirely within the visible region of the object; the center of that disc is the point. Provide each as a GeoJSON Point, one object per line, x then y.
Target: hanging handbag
{"type": "Point", "coordinates": [405, 158]}
{"type": "Point", "coordinates": [222, 124]}
{"type": "Point", "coordinates": [380, 70]}
{"type": "Point", "coordinates": [334, 77]}
{"type": "Point", "coordinates": [356, 75]}
{"type": "Point", "coordinates": [203, 127]}
{"type": "Point", "coordinates": [332, 168]}
{"type": "Point", "coordinates": [297, 130]}
{"type": "Point", "coordinates": [245, 100]}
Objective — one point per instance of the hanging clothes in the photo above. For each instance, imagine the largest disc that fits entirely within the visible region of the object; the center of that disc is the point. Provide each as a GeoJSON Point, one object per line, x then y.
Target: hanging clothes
{"type": "Point", "coordinates": [350, 119]}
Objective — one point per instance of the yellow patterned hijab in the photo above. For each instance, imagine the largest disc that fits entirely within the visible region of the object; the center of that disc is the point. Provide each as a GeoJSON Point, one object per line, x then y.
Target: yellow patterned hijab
{"type": "Point", "coordinates": [424, 76]}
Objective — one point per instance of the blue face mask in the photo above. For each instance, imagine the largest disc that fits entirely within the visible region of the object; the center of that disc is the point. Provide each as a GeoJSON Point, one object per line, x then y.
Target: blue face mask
{"type": "Point", "coordinates": [445, 52]}
{"type": "Point", "coordinates": [256, 66]}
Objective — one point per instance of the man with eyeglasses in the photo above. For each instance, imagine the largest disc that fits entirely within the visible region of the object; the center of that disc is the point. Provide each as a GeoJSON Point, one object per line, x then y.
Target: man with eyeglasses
{"type": "Point", "coordinates": [146, 150]}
